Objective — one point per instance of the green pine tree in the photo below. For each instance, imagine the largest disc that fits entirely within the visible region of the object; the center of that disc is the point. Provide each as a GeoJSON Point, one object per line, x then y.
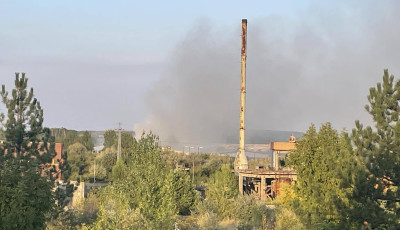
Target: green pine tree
{"type": "Point", "coordinates": [25, 195]}
{"type": "Point", "coordinates": [378, 149]}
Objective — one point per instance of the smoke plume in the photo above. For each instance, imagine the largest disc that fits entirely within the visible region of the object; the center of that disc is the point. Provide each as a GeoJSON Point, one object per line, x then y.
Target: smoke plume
{"type": "Point", "coordinates": [314, 67]}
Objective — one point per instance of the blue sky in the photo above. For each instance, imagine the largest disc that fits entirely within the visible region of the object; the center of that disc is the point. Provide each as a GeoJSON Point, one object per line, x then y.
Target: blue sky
{"type": "Point", "coordinates": [93, 64]}
{"type": "Point", "coordinates": [86, 29]}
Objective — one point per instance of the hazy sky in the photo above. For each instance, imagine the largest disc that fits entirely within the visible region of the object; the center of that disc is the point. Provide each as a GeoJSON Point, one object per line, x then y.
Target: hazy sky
{"type": "Point", "coordinates": [174, 66]}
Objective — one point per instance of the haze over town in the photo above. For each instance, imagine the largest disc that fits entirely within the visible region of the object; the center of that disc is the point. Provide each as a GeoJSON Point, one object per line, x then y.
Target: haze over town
{"type": "Point", "coordinates": [149, 118]}
{"type": "Point", "coordinates": [174, 68]}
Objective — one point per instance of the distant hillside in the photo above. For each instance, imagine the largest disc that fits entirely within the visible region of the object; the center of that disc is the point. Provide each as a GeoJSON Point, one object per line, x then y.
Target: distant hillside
{"type": "Point", "coordinates": [256, 141]}
{"type": "Point", "coordinates": [264, 136]}
{"type": "Point", "coordinates": [267, 136]}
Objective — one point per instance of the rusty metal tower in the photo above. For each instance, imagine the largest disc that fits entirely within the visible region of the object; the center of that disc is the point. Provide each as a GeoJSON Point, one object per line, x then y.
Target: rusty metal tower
{"type": "Point", "coordinates": [241, 159]}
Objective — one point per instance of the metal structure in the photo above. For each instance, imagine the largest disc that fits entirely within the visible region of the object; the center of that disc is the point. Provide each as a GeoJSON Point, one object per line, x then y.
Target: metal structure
{"type": "Point", "coordinates": [241, 159]}
{"type": "Point", "coordinates": [265, 183]}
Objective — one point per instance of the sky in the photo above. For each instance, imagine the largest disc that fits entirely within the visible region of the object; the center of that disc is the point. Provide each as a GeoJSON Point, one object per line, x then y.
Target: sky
{"type": "Point", "coordinates": [173, 67]}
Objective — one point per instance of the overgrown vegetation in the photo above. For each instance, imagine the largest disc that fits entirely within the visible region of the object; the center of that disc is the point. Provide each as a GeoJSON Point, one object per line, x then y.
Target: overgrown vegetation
{"type": "Point", "coordinates": [345, 180]}
{"type": "Point", "coordinates": [351, 181]}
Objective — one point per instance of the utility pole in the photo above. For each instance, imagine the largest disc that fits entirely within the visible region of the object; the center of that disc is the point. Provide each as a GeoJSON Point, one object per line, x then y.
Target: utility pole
{"type": "Point", "coordinates": [193, 169]}
{"type": "Point", "coordinates": [94, 180]}
{"type": "Point", "coordinates": [119, 141]}
{"type": "Point", "coordinates": [198, 151]}
{"type": "Point", "coordinates": [193, 162]}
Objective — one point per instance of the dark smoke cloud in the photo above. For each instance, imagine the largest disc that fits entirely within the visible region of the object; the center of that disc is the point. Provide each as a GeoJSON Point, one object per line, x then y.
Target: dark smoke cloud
{"type": "Point", "coordinates": [314, 67]}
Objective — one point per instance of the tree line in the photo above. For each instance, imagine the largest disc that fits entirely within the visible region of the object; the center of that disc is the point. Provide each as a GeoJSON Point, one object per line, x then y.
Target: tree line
{"type": "Point", "coordinates": [351, 180]}
{"type": "Point", "coordinates": [346, 180]}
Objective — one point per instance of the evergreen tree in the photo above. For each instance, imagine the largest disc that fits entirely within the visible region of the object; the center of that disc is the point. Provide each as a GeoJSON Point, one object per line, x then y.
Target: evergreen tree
{"type": "Point", "coordinates": [110, 138]}
{"type": "Point", "coordinates": [326, 170]}
{"type": "Point", "coordinates": [378, 149]}
{"type": "Point", "coordinates": [25, 195]}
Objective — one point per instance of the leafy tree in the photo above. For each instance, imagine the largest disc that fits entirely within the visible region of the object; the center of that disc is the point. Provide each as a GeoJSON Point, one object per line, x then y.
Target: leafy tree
{"type": "Point", "coordinates": [183, 191]}
{"type": "Point", "coordinates": [127, 142]}
{"type": "Point", "coordinates": [119, 171]}
{"type": "Point", "coordinates": [63, 135]}
{"type": "Point", "coordinates": [326, 170]}
{"type": "Point", "coordinates": [86, 140]}
{"type": "Point", "coordinates": [210, 163]}
{"type": "Point", "coordinates": [286, 219]}
{"type": "Point", "coordinates": [251, 212]}
{"type": "Point", "coordinates": [108, 158]}
{"type": "Point", "coordinates": [97, 170]}
{"type": "Point", "coordinates": [25, 195]}
{"type": "Point", "coordinates": [78, 217]}
{"type": "Point", "coordinates": [378, 149]}
{"type": "Point", "coordinates": [222, 190]}
{"type": "Point", "coordinates": [115, 212]}
{"type": "Point", "coordinates": [143, 197]}
{"type": "Point", "coordinates": [77, 160]}
{"type": "Point", "coordinates": [110, 138]}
